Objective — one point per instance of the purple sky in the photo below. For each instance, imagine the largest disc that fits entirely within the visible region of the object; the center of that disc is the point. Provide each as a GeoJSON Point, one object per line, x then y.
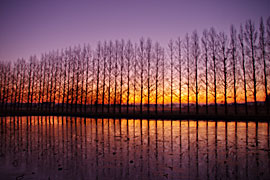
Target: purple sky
{"type": "Point", "coordinates": [30, 27]}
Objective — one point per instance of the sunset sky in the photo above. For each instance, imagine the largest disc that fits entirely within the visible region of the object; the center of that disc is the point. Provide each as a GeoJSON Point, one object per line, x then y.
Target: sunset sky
{"type": "Point", "coordinates": [33, 26]}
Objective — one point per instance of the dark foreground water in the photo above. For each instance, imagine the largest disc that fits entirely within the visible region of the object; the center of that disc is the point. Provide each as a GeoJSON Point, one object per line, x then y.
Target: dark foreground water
{"type": "Point", "coordinates": [78, 148]}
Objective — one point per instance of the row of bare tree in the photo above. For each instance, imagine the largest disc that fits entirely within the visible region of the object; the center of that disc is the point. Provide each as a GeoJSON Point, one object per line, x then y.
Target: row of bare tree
{"type": "Point", "coordinates": [208, 71]}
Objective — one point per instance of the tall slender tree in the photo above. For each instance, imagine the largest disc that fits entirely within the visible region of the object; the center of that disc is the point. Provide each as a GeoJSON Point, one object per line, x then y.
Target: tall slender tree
{"type": "Point", "coordinates": [251, 38]}
{"type": "Point", "coordinates": [109, 73]}
{"type": "Point", "coordinates": [224, 51]}
{"type": "Point", "coordinates": [148, 52]}
{"type": "Point", "coordinates": [88, 56]}
{"type": "Point", "coordinates": [30, 68]}
{"type": "Point", "coordinates": [141, 54]}
{"type": "Point", "coordinates": [179, 56]}
{"type": "Point", "coordinates": [262, 45]}
{"type": "Point", "coordinates": [129, 58]}
{"type": "Point", "coordinates": [242, 47]}
{"type": "Point", "coordinates": [187, 49]}
{"type": "Point", "coordinates": [196, 54]}
{"type": "Point", "coordinates": [205, 46]}
{"type": "Point", "coordinates": [115, 74]}
{"type": "Point", "coordinates": [171, 54]}
{"type": "Point", "coordinates": [104, 55]}
{"type": "Point", "coordinates": [213, 43]}
{"type": "Point", "coordinates": [163, 80]}
{"type": "Point", "coordinates": [122, 44]}
{"type": "Point", "coordinates": [158, 54]}
{"type": "Point", "coordinates": [135, 78]}
{"type": "Point", "coordinates": [233, 45]}
{"type": "Point", "coordinates": [98, 51]}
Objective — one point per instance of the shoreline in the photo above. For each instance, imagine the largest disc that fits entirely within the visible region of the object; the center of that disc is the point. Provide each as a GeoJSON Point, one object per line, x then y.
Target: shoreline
{"type": "Point", "coordinates": [145, 115]}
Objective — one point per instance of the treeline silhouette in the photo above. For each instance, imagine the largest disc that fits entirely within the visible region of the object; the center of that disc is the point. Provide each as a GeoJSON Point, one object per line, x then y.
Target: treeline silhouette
{"type": "Point", "coordinates": [191, 75]}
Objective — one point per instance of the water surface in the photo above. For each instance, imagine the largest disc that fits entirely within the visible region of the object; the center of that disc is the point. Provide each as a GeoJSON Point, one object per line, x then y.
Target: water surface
{"type": "Point", "coordinates": [78, 148]}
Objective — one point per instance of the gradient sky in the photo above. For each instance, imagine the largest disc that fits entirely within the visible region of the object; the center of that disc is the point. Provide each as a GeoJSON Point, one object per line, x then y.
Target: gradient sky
{"type": "Point", "coordinates": [30, 27]}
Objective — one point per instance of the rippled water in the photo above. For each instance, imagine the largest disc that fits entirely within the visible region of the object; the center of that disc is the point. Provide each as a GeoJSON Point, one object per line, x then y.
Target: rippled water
{"type": "Point", "coordinates": [78, 148]}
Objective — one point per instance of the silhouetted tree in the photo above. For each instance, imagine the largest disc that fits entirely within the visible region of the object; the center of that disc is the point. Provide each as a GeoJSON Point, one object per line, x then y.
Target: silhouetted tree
{"type": "Point", "coordinates": [64, 72]}
{"type": "Point", "coordinates": [110, 71]}
{"type": "Point", "coordinates": [122, 44]}
{"type": "Point", "coordinates": [17, 71]}
{"type": "Point", "coordinates": [187, 49]}
{"type": "Point", "coordinates": [98, 51]}
{"type": "Point", "coordinates": [92, 83]}
{"type": "Point", "coordinates": [171, 54]}
{"type": "Point", "coordinates": [196, 54]}
{"type": "Point", "coordinates": [104, 55]}
{"type": "Point", "coordinates": [88, 56]}
{"type": "Point", "coordinates": [179, 68]}
{"type": "Point", "coordinates": [163, 79]}
{"type": "Point", "coordinates": [224, 51]}
{"type": "Point", "coordinates": [128, 57]}
{"type": "Point", "coordinates": [205, 45]}
{"type": "Point", "coordinates": [213, 44]}
{"type": "Point", "coordinates": [158, 57]}
{"type": "Point", "coordinates": [233, 46]}
{"type": "Point", "coordinates": [262, 45]}
{"type": "Point", "coordinates": [30, 68]}
{"type": "Point", "coordinates": [115, 74]}
{"type": "Point", "coordinates": [242, 47]}
{"type": "Point", "coordinates": [77, 69]}
{"type": "Point", "coordinates": [251, 37]}
{"type": "Point", "coordinates": [135, 78]}
{"type": "Point", "coordinates": [148, 52]}
{"type": "Point", "coordinates": [141, 56]}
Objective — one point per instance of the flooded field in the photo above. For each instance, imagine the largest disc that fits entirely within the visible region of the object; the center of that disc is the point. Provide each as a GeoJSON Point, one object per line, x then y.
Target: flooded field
{"type": "Point", "coordinates": [79, 148]}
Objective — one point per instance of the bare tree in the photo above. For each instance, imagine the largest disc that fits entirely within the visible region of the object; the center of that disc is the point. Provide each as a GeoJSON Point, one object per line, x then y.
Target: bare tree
{"type": "Point", "coordinates": [205, 45]}
{"type": "Point", "coordinates": [104, 55]}
{"type": "Point", "coordinates": [2, 70]}
{"type": "Point", "coordinates": [141, 55]}
{"type": "Point", "coordinates": [179, 56]}
{"type": "Point", "coordinates": [187, 49]}
{"type": "Point", "coordinates": [268, 59]}
{"type": "Point", "coordinates": [196, 54]}
{"type": "Point", "coordinates": [7, 85]}
{"type": "Point", "coordinates": [148, 52]}
{"type": "Point", "coordinates": [56, 83]}
{"type": "Point", "coordinates": [135, 78]}
{"type": "Point", "coordinates": [51, 80]}
{"type": "Point", "coordinates": [242, 47]}
{"type": "Point", "coordinates": [98, 69]}
{"type": "Point", "coordinates": [110, 49]}
{"type": "Point", "coordinates": [122, 44]}
{"type": "Point", "coordinates": [115, 74]}
{"type": "Point", "coordinates": [88, 56]}
{"type": "Point", "coordinates": [251, 37]}
{"type": "Point", "coordinates": [17, 70]}
{"type": "Point", "coordinates": [33, 81]}
{"type": "Point", "coordinates": [68, 78]}
{"type": "Point", "coordinates": [213, 44]}
{"type": "Point", "coordinates": [224, 52]}
{"type": "Point", "coordinates": [158, 57]}
{"type": "Point", "coordinates": [128, 57]}
{"type": "Point", "coordinates": [30, 68]}
{"type": "Point", "coordinates": [171, 54]}
{"type": "Point", "coordinates": [233, 46]}
{"type": "Point", "coordinates": [64, 72]}
{"type": "Point", "coordinates": [78, 63]}
{"type": "Point", "coordinates": [262, 45]}
{"type": "Point", "coordinates": [60, 71]}
{"type": "Point", "coordinates": [92, 83]}
{"type": "Point", "coordinates": [163, 79]}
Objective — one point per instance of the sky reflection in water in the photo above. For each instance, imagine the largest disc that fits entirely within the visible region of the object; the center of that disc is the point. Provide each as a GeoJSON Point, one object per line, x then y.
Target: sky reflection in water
{"type": "Point", "coordinates": [78, 148]}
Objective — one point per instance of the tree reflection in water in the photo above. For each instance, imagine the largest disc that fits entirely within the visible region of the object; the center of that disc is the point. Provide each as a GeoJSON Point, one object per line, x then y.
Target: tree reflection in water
{"type": "Point", "coordinates": [78, 148]}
